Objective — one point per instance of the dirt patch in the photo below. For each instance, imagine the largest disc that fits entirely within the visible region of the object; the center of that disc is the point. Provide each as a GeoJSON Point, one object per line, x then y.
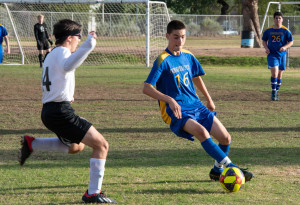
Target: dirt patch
{"type": "Point", "coordinates": [229, 52]}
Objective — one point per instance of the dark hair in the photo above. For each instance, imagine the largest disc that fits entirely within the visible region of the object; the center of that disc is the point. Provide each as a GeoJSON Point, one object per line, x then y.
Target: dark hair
{"type": "Point", "coordinates": [64, 28]}
{"type": "Point", "coordinates": [175, 25]}
{"type": "Point", "coordinates": [278, 13]}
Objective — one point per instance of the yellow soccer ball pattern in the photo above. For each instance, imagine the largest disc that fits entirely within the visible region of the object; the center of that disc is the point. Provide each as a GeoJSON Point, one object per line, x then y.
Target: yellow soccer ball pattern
{"type": "Point", "coordinates": [232, 179]}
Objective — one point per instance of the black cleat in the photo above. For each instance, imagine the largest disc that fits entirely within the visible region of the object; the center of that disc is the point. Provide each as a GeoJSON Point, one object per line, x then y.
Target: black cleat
{"type": "Point", "coordinates": [248, 175]}
{"type": "Point", "coordinates": [97, 198]}
{"type": "Point", "coordinates": [214, 175]}
{"type": "Point", "coordinates": [26, 148]}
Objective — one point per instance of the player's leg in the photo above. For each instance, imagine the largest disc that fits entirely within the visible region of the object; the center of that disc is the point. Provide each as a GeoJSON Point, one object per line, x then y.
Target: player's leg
{"type": "Point", "coordinates": [274, 75]}
{"type": "Point", "coordinates": [100, 148]}
{"type": "Point", "coordinates": [222, 135]}
{"type": "Point", "coordinates": [281, 69]}
{"type": "Point", "coordinates": [31, 144]}
{"type": "Point", "coordinates": [1, 53]}
{"type": "Point", "coordinates": [197, 130]}
{"type": "Point", "coordinates": [40, 56]}
{"type": "Point", "coordinates": [46, 48]}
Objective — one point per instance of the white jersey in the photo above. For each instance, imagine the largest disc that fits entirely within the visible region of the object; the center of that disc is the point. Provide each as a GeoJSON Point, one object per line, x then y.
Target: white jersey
{"type": "Point", "coordinates": [58, 78]}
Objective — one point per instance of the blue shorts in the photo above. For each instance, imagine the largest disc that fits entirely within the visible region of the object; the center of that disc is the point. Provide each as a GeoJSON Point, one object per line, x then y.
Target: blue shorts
{"type": "Point", "coordinates": [202, 115]}
{"type": "Point", "coordinates": [275, 60]}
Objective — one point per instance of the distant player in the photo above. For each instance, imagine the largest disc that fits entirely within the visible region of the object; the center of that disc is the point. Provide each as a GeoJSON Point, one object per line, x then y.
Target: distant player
{"type": "Point", "coordinates": [3, 35]}
{"type": "Point", "coordinates": [276, 39]}
{"type": "Point", "coordinates": [175, 72]}
{"type": "Point", "coordinates": [73, 132]}
{"type": "Point", "coordinates": [42, 38]}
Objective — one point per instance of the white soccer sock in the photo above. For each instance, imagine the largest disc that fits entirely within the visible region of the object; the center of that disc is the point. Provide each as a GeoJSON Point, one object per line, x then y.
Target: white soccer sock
{"type": "Point", "coordinates": [97, 167]}
{"type": "Point", "coordinates": [49, 144]}
{"type": "Point", "coordinates": [225, 161]}
{"type": "Point", "coordinates": [217, 164]}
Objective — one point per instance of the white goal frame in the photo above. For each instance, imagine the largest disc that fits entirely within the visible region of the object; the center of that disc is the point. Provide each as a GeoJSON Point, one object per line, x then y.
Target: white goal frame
{"type": "Point", "coordinates": [147, 23]}
{"type": "Point", "coordinates": [279, 9]}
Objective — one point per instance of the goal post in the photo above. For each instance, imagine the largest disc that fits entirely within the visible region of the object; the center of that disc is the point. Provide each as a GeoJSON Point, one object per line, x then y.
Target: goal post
{"type": "Point", "coordinates": [130, 32]}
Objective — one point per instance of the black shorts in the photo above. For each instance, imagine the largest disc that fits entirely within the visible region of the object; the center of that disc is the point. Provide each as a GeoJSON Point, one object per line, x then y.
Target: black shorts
{"type": "Point", "coordinates": [59, 117]}
{"type": "Point", "coordinates": [43, 45]}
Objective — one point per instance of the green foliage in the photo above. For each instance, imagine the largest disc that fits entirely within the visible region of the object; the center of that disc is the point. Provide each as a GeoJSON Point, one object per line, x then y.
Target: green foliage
{"type": "Point", "coordinates": [210, 27]}
{"type": "Point", "coordinates": [239, 61]}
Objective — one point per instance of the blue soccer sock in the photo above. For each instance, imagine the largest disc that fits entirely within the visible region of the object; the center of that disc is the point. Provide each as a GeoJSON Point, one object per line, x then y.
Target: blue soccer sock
{"type": "Point", "coordinates": [278, 84]}
{"type": "Point", "coordinates": [217, 166]}
{"type": "Point", "coordinates": [273, 84]}
{"type": "Point", "coordinates": [215, 152]}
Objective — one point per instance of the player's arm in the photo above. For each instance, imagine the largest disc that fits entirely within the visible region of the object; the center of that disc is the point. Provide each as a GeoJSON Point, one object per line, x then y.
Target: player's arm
{"type": "Point", "coordinates": [154, 93]}
{"type": "Point", "coordinates": [286, 46]}
{"type": "Point", "coordinates": [7, 44]}
{"type": "Point", "coordinates": [201, 86]}
{"type": "Point", "coordinates": [265, 44]}
{"type": "Point", "coordinates": [36, 35]}
{"type": "Point", "coordinates": [77, 58]}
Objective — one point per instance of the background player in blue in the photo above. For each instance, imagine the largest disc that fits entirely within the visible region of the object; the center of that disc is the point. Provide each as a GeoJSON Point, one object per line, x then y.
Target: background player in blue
{"type": "Point", "coordinates": [3, 35]}
{"type": "Point", "coordinates": [174, 73]}
{"type": "Point", "coordinates": [276, 39]}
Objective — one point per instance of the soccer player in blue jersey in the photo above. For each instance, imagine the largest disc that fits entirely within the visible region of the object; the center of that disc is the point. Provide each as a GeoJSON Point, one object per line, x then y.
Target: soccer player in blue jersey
{"type": "Point", "coordinates": [276, 40]}
{"type": "Point", "coordinates": [3, 35]}
{"type": "Point", "coordinates": [175, 72]}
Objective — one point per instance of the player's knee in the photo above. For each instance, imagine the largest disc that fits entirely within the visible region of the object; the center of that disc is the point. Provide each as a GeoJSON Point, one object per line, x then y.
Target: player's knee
{"type": "Point", "coordinates": [226, 139]}
{"type": "Point", "coordinates": [201, 135]}
{"type": "Point", "coordinates": [75, 148]}
{"type": "Point", "coordinates": [102, 146]}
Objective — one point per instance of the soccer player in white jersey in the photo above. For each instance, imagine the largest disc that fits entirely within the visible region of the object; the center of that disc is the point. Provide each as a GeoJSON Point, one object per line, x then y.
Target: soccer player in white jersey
{"type": "Point", "coordinates": [73, 132]}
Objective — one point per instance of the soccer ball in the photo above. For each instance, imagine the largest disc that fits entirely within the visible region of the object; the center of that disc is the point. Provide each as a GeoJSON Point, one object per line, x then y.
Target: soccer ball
{"type": "Point", "coordinates": [232, 179]}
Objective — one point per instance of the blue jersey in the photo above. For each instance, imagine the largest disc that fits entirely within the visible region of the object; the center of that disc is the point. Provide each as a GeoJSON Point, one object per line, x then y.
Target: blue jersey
{"type": "Point", "coordinates": [3, 33]}
{"type": "Point", "coordinates": [277, 38]}
{"type": "Point", "coordinates": [173, 77]}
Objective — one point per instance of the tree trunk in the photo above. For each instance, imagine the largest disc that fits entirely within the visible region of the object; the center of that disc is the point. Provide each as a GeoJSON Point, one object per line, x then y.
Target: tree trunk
{"type": "Point", "coordinates": [251, 20]}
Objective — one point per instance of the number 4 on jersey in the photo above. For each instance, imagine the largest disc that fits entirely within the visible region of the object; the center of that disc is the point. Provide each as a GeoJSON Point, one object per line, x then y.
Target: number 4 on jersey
{"type": "Point", "coordinates": [46, 81]}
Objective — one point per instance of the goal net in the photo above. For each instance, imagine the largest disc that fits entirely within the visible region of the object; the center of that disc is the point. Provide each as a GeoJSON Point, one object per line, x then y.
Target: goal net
{"type": "Point", "coordinates": [130, 32]}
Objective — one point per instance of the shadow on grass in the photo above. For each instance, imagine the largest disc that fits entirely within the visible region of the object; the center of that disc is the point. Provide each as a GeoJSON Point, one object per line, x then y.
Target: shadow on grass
{"type": "Point", "coordinates": [152, 130]}
{"type": "Point", "coordinates": [105, 130]}
{"type": "Point", "coordinates": [267, 156]}
{"type": "Point", "coordinates": [177, 191]}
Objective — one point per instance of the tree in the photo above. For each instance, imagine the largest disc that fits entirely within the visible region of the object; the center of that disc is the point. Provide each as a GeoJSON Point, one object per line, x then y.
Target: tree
{"type": "Point", "coordinates": [251, 20]}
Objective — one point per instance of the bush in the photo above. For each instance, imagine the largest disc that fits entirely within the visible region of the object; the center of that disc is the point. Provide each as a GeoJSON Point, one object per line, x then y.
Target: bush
{"type": "Point", "coordinates": [210, 27]}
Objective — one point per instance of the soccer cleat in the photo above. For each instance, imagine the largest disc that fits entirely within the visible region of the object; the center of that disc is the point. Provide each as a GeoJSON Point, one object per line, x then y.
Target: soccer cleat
{"type": "Point", "coordinates": [273, 96]}
{"type": "Point", "coordinates": [276, 97]}
{"type": "Point", "coordinates": [214, 175]}
{"type": "Point", "coordinates": [248, 175]}
{"type": "Point", "coordinates": [26, 148]}
{"type": "Point", "coordinates": [97, 198]}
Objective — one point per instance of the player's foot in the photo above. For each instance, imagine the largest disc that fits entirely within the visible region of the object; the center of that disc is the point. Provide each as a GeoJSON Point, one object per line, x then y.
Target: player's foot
{"type": "Point", "coordinates": [97, 198]}
{"type": "Point", "coordinates": [248, 175]}
{"type": "Point", "coordinates": [273, 96]}
{"type": "Point", "coordinates": [276, 96]}
{"type": "Point", "coordinates": [26, 148]}
{"type": "Point", "coordinates": [214, 175]}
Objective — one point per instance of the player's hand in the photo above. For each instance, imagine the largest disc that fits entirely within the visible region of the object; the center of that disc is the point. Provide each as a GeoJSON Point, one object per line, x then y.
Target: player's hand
{"type": "Point", "coordinates": [51, 42]}
{"type": "Point", "coordinates": [93, 33]}
{"type": "Point", "coordinates": [267, 51]}
{"type": "Point", "coordinates": [175, 107]}
{"type": "Point", "coordinates": [282, 48]}
{"type": "Point", "coordinates": [211, 105]}
{"type": "Point", "coordinates": [7, 50]}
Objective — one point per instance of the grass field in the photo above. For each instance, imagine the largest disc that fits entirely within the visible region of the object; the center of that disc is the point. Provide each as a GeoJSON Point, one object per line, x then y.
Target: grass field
{"type": "Point", "coordinates": [147, 164]}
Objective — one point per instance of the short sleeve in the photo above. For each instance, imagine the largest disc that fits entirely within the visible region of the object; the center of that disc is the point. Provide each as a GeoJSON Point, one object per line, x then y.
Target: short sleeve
{"type": "Point", "coordinates": [155, 73]}
{"type": "Point", "coordinates": [197, 69]}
